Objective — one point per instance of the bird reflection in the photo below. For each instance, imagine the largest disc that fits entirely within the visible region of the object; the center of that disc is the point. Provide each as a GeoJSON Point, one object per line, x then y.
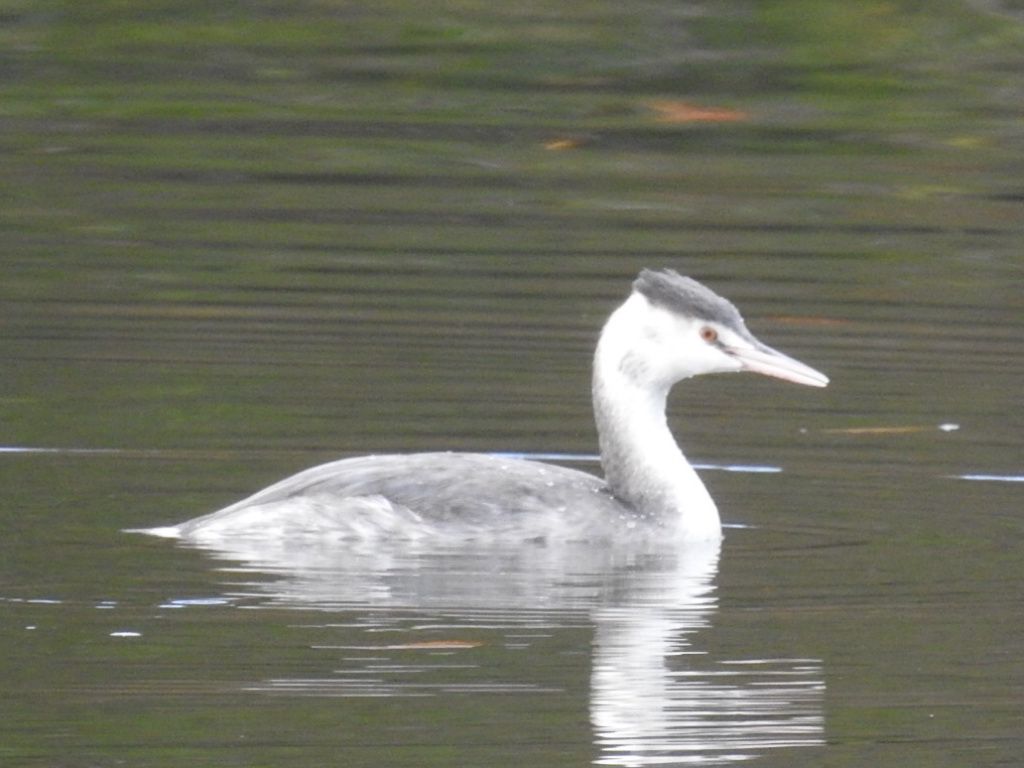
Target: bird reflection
{"type": "Point", "coordinates": [657, 698]}
{"type": "Point", "coordinates": [659, 692]}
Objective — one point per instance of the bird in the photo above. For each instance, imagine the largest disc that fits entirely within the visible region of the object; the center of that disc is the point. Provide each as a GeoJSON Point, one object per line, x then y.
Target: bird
{"type": "Point", "coordinates": [668, 329]}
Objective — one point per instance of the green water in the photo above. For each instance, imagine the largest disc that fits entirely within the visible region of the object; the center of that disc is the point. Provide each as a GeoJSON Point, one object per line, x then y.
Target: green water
{"type": "Point", "coordinates": [242, 239]}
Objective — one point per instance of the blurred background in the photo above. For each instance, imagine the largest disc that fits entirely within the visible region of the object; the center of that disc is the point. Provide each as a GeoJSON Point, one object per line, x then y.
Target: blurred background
{"type": "Point", "coordinates": [242, 238]}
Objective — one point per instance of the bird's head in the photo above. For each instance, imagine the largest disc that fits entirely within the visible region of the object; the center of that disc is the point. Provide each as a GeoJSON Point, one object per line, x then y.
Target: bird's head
{"type": "Point", "coordinates": [672, 328]}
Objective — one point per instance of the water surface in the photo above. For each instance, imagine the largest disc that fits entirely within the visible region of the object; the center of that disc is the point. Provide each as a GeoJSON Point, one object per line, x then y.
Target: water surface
{"type": "Point", "coordinates": [238, 244]}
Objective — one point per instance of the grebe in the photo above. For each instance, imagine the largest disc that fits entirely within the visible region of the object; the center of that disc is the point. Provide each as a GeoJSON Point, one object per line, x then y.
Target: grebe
{"type": "Point", "coordinates": [670, 328]}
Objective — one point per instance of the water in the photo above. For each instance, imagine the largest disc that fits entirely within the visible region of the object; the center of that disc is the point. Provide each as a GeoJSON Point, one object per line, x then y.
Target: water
{"type": "Point", "coordinates": [238, 244]}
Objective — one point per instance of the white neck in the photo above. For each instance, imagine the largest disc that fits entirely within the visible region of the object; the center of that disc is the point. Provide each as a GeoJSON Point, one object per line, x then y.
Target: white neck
{"type": "Point", "coordinates": [642, 463]}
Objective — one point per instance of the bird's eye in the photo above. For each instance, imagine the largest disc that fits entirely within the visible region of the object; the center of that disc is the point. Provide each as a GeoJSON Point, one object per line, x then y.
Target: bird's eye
{"type": "Point", "coordinates": [709, 334]}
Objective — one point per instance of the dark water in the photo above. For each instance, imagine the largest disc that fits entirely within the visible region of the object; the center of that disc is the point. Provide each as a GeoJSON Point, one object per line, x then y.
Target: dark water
{"type": "Point", "coordinates": [239, 241]}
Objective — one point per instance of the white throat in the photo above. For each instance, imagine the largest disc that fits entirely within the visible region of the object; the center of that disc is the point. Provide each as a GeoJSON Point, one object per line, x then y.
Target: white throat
{"type": "Point", "coordinates": [643, 465]}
